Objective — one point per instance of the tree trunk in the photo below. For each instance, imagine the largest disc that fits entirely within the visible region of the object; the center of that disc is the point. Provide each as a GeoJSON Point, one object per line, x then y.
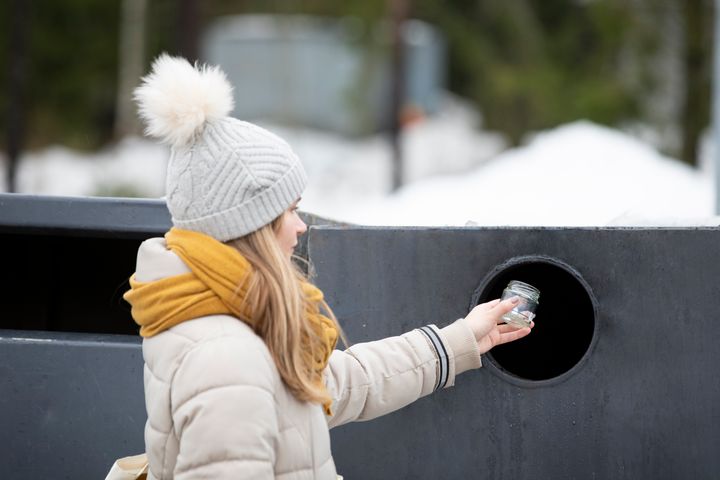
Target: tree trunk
{"type": "Point", "coordinates": [695, 113]}
{"type": "Point", "coordinates": [188, 22]}
{"type": "Point", "coordinates": [131, 63]}
{"type": "Point", "coordinates": [399, 12]}
{"type": "Point", "coordinates": [17, 79]}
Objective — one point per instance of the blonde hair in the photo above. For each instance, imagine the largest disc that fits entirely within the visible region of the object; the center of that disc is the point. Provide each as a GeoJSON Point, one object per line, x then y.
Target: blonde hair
{"type": "Point", "coordinates": [275, 296]}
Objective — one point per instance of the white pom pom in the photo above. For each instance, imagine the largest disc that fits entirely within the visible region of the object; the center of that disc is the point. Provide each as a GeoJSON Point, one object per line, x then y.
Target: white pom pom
{"type": "Point", "coordinates": [176, 99]}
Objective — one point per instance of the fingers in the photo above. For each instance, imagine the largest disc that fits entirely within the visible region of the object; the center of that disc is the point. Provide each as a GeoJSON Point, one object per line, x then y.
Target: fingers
{"type": "Point", "coordinates": [516, 334]}
{"type": "Point", "coordinates": [506, 305]}
{"type": "Point", "coordinates": [484, 307]}
{"type": "Point", "coordinates": [509, 327]}
{"type": "Point", "coordinates": [506, 328]}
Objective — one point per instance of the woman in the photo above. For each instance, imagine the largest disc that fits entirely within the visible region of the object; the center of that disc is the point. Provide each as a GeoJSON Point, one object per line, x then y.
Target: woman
{"type": "Point", "coordinates": [241, 375]}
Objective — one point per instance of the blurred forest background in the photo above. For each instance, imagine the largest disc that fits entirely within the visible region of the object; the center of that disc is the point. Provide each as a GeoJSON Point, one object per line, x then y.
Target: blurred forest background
{"type": "Point", "coordinates": [527, 65]}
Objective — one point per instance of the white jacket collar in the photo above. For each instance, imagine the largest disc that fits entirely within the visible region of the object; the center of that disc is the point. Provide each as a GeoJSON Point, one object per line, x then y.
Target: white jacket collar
{"type": "Point", "coordinates": [155, 261]}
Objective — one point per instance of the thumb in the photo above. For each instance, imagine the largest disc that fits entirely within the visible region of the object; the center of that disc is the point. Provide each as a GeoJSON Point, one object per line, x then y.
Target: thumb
{"type": "Point", "coordinates": [506, 305]}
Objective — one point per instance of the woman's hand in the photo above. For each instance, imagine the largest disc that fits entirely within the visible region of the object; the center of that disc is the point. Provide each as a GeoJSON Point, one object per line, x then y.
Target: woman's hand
{"type": "Point", "coordinates": [485, 322]}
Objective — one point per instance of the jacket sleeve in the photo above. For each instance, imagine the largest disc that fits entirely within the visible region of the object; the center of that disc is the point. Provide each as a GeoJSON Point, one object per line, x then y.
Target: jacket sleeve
{"type": "Point", "coordinates": [374, 378]}
{"type": "Point", "coordinates": [223, 411]}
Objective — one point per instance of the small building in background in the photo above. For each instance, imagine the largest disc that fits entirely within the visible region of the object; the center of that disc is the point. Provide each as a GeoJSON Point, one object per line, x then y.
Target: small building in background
{"type": "Point", "coordinates": [325, 73]}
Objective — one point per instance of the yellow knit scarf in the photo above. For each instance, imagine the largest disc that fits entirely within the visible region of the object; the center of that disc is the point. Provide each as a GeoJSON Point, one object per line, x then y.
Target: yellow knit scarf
{"type": "Point", "coordinates": [210, 288]}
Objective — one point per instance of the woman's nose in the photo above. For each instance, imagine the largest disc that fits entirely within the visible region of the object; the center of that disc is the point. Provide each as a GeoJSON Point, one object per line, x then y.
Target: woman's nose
{"type": "Point", "coordinates": [301, 228]}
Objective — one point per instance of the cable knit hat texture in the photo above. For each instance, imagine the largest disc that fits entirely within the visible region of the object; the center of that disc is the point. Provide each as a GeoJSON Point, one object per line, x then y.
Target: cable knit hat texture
{"type": "Point", "coordinates": [225, 178]}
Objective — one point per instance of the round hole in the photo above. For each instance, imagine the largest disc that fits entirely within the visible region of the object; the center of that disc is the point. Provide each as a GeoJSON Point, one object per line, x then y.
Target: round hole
{"type": "Point", "coordinates": [564, 326]}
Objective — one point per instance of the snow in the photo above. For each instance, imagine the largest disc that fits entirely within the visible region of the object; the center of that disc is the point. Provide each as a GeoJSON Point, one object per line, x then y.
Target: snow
{"type": "Point", "coordinates": [350, 174]}
{"type": "Point", "coordinates": [133, 166]}
{"type": "Point", "coordinates": [576, 175]}
{"type": "Point", "coordinates": [579, 174]}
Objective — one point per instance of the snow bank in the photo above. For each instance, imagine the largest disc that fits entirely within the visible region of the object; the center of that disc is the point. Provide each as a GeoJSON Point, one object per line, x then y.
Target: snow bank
{"type": "Point", "coordinates": [579, 174]}
{"type": "Point", "coordinates": [133, 167]}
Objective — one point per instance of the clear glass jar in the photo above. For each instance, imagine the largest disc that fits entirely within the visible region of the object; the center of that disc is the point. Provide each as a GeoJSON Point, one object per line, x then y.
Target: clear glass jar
{"type": "Point", "coordinates": [524, 312]}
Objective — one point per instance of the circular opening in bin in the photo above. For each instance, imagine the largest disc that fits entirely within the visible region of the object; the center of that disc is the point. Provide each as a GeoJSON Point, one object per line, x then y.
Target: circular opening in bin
{"type": "Point", "coordinates": [564, 326]}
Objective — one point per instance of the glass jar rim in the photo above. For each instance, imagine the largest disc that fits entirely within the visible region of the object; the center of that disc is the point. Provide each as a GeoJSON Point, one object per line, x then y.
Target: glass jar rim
{"type": "Point", "coordinates": [524, 289]}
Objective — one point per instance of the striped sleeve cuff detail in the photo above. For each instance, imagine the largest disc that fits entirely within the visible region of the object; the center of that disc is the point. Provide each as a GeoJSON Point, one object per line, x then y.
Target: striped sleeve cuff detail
{"type": "Point", "coordinates": [441, 353]}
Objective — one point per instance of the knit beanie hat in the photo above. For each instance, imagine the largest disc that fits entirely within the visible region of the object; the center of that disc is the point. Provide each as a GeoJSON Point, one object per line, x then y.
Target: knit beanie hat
{"type": "Point", "coordinates": [225, 178]}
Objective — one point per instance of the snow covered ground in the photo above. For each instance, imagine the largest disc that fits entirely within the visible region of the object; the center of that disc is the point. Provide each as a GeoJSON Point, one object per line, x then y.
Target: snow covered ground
{"type": "Point", "coordinates": [579, 174]}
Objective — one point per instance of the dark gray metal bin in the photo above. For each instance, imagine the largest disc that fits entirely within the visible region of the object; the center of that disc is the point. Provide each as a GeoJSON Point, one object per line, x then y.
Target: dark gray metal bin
{"type": "Point", "coordinates": [619, 379]}
{"type": "Point", "coordinates": [71, 403]}
{"type": "Point", "coordinates": [67, 260]}
{"type": "Point", "coordinates": [641, 401]}
{"type": "Point", "coordinates": [70, 357]}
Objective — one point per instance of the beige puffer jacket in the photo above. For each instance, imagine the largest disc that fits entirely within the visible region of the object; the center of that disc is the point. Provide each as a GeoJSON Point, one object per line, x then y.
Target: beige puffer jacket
{"type": "Point", "coordinates": [218, 409]}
